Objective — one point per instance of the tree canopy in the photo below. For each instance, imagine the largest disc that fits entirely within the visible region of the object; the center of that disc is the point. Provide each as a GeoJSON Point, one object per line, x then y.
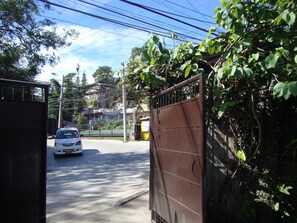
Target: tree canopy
{"type": "Point", "coordinates": [251, 90]}
{"type": "Point", "coordinates": [103, 74]}
{"type": "Point", "coordinates": [73, 98]}
{"type": "Point", "coordinates": [26, 40]}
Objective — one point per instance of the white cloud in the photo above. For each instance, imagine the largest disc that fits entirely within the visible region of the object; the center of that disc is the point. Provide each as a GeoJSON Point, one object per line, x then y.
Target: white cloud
{"type": "Point", "coordinates": [94, 48]}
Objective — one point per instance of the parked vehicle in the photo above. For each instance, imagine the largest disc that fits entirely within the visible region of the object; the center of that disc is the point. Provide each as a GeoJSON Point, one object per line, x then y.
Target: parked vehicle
{"type": "Point", "coordinates": [67, 142]}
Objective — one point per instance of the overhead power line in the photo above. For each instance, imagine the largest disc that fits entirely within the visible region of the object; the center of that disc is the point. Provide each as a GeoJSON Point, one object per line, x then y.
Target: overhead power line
{"type": "Point", "coordinates": [140, 28]}
{"type": "Point", "coordinates": [138, 20]}
{"type": "Point", "coordinates": [167, 16]}
{"type": "Point", "coordinates": [182, 16]}
{"type": "Point", "coordinates": [152, 19]}
{"type": "Point", "coordinates": [193, 10]}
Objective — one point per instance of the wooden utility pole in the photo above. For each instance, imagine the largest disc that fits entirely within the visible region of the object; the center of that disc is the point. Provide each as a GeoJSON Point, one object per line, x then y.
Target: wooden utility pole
{"type": "Point", "coordinates": [60, 119]}
{"type": "Point", "coordinates": [124, 103]}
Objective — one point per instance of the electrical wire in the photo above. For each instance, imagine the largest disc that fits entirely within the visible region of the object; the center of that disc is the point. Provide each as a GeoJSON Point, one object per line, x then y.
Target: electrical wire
{"type": "Point", "coordinates": [140, 28]}
{"type": "Point", "coordinates": [132, 18]}
{"type": "Point", "coordinates": [150, 9]}
{"type": "Point", "coordinates": [193, 10]}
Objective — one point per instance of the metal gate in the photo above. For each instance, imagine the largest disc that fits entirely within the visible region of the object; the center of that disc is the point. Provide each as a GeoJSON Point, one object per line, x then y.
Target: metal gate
{"type": "Point", "coordinates": [177, 153]}
{"type": "Point", "coordinates": [23, 119]}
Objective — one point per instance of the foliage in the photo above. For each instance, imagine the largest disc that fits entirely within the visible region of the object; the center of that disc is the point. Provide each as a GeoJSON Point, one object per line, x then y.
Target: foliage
{"type": "Point", "coordinates": [254, 84]}
{"type": "Point", "coordinates": [104, 74]}
{"type": "Point", "coordinates": [135, 87]}
{"type": "Point", "coordinates": [98, 125]}
{"type": "Point", "coordinates": [113, 124]}
{"type": "Point", "coordinates": [80, 119]}
{"type": "Point", "coordinates": [74, 89]}
{"type": "Point", "coordinates": [73, 96]}
{"type": "Point", "coordinates": [54, 95]}
{"type": "Point", "coordinates": [91, 103]}
{"type": "Point", "coordinates": [24, 38]}
{"type": "Point", "coordinates": [251, 87]}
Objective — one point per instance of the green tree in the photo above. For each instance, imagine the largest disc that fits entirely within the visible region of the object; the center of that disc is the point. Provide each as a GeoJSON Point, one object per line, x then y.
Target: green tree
{"type": "Point", "coordinates": [23, 37]}
{"type": "Point", "coordinates": [104, 74]}
{"type": "Point", "coordinates": [80, 119]}
{"type": "Point", "coordinates": [113, 124]}
{"type": "Point", "coordinates": [53, 101]}
{"type": "Point", "coordinates": [136, 51]}
{"type": "Point", "coordinates": [73, 98]}
{"type": "Point", "coordinates": [137, 90]}
{"type": "Point", "coordinates": [251, 87]}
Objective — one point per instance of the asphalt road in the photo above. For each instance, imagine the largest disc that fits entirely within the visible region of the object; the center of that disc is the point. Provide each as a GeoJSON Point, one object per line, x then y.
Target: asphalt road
{"type": "Point", "coordinates": [93, 187]}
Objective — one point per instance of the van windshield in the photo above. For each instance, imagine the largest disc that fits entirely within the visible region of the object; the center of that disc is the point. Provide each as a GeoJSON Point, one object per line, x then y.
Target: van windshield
{"type": "Point", "coordinates": [67, 134]}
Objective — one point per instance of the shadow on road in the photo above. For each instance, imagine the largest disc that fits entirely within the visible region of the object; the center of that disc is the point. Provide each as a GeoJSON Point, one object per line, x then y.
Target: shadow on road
{"type": "Point", "coordinates": [95, 177]}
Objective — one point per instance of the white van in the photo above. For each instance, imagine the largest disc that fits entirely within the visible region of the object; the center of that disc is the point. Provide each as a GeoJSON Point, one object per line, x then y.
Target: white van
{"type": "Point", "coordinates": [67, 141]}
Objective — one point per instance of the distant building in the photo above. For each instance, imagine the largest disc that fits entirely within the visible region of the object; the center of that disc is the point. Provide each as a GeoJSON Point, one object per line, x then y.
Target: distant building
{"type": "Point", "coordinates": [102, 115]}
{"type": "Point", "coordinates": [101, 92]}
{"type": "Point", "coordinates": [105, 93]}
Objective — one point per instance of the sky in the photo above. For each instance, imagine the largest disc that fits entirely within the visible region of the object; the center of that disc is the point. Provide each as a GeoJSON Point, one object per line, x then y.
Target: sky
{"type": "Point", "coordinates": [109, 29]}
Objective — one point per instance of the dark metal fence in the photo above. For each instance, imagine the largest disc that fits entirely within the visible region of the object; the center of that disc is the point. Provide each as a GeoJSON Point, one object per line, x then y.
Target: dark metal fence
{"type": "Point", "coordinates": [23, 130]}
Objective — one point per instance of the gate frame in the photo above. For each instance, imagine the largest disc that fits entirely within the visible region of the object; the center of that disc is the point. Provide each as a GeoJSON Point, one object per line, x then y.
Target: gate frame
{"type": "Point", "coordinates": [201, 100]}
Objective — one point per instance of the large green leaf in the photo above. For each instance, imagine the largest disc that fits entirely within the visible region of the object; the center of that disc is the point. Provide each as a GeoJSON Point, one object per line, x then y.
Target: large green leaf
{"type": "Point", "coordinates": [188, 70]}
{"type": "Point", "coordinates": [239, 10]}
{"type": "Point", "coordinates": [284, 188]}
{"type": "Point", "coordinates": [211, 30]}
{"type": "Point", "coordinates": [241, 155]}
{"type": "Point", "coordinates": [147, 55]}
{"type": "Point", "coordinates": [255, 56]}
{"type": "Point", "coordinates": [289, 17]}
{"type": "Point", "coordinates": [248, 72]}
{"type": "Point", "coordinates": [276, 206]}
{"type": "Point", "coordinates": [238, 72]}
{"type": "Point", "coordinates": [271, 60]}
{"type": "Point", "coordinates": [285, 90]}
{"type": "Point", "coordinates": [185, 65]}
{"type": "Point", "coordinates": [151, 78]}
{"type": "Point", "coordinates": [156, 39]}
{"type": "Point", "coordinates": [293, 88]}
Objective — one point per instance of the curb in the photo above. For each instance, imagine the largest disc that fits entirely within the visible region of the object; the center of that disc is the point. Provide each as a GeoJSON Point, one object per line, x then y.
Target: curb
{"type": "Point", "coordinates": [118, 203]}
{"type": "Point", "coordinates": [130, 198]}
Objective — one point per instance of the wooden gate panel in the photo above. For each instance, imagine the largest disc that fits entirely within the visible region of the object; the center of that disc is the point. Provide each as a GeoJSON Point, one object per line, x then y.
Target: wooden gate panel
{"type": "Point", "coordinates": [185, 140]}
{"type": "Point", "coordinates": [177, 156]}
{"type": "Point", "coordinates": [178, 189]}
{"type": "Point", "coordinates": [178, 115]}
{"type": "Point", "coordinates": [186, 166]}
{"type": "Point", "coordinates": [172, 211]}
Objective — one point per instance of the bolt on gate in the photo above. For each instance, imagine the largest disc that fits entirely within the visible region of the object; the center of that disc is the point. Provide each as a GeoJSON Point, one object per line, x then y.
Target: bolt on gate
{"type": "Point", "coordinates": [177, 153]}
{"type": "Point", "coordinates": [23, 132]}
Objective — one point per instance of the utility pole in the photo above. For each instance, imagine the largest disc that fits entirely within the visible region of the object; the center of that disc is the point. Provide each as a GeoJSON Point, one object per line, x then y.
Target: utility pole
{"type": "Point", "coordinates": [60, 120]}
{"type": "Point", "coordinates": [124, 103]}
